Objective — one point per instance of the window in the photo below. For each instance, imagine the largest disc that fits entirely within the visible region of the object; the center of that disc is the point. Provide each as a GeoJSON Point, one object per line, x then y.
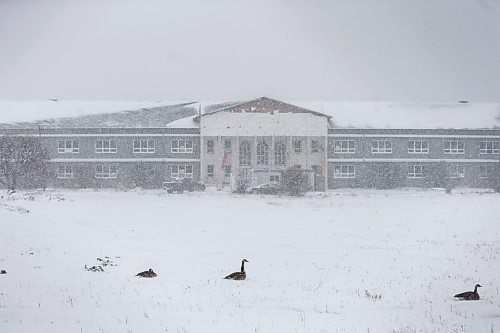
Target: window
{"type": "Point", "coordinates": [343, 171]}
{"type": "Point", "coordinates": [279, 153]}
{"type": "Point", "coordinates": [489, 147]}
{"type": "Point", "coordinates": [181, 171]}
{"type": "Point", "coordinates": [227, 171]}
{"type": "Point", "coordinates": [227, 146]}
{"type": "Point", "coordinates": [456, 171]}
{"type": "Point", "coordinates": [105, 146]}
{"type": "Point", "coordinates": [210, 146]}
{"type": "Point", "coordinates": [381, 147]}
{"type": "Point", "coordinates": [105, 171]}
{"type": "Point", "coordinates": [210, 170]}
{"type": "Point", "coordinates": [416, 171]}
{"type": "Point", "coordinates": [68, 146]}
{"type": "Point", "coordinates": [65, 171]}
{"type": "Point", "coordinates": [344, 146]}
{"type": "Point", "coordinates": [144, 146]}
{"type": "Point", "coordinates": [262, 153]}
{"type": "Point", "coordinates": [418, 147]}
{"type": "Point", "coordinates": [274, 178]}
{"type": "Point", "coordinates": [245, 153]}
{"type": "Point", "coordinates": [297, 146]}
{"type": "Point", "coordinates": [316, 146]}
{"type": "Point", "coordinates": [488, 171]}
{"type": "Point", "coordinates": [182, 146]}
{"type": "Point", "coordinates": [453, 147]}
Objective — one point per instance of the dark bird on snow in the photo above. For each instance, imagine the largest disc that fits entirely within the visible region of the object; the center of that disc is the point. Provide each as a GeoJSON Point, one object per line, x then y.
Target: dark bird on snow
{"type": "Point", "coordinates": [238, 275]}
{"type": "Point", "coordinates": [147, 274]}
{"type": "Point", "coordinates": [469, 295]}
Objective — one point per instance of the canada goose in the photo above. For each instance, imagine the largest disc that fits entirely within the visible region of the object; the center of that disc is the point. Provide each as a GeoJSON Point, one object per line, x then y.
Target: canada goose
{"type": "Point", "coordinates": [469, 295]}
{"type": "Point", "coordinates": [147, 274]}
{"type": "Point", "coordinates": [238, 275]}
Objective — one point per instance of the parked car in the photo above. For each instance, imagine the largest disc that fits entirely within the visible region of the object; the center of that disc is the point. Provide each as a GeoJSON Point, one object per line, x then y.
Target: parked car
{"type": "Point", "coordinates": [182, 185]}
{"type": "Point", "coordinates": [266, 189]}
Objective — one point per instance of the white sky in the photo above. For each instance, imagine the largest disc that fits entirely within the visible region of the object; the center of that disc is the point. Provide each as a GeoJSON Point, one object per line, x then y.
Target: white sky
{"type": "Point", "coordinates": [381, 50]}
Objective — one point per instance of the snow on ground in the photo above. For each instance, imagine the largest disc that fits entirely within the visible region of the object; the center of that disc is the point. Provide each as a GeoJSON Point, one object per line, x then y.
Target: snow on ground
{"type": "Point", "coordinates": [345, 261]}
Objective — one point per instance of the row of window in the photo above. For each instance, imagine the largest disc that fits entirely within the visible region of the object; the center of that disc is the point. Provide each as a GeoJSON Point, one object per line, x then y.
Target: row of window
{"type": "Point", "coordinates": [419, 171]}
{"type": "Point", "coordinates": [414, 171]}
{"type": "Point", "coordinates": [211, 170]}
{"type": "Point", "coordinates": [340, 146]}
{"type": "Point", "coordinates": [415, 147]}
{"type": "Point", "coordinates": [110, 171]}
{"type": "Point", "coordinates": [263, 152]}
{"type": "Point", "coordinates": [100, 171]}
{"type": "Point", "coordinates": [227, 170]}
{"type": "Point", "coordinates": [245, 155]}
{"type": "Point", "coordinates": [297, 146]}
{"type": "Point", "coordinates": [139, 146]}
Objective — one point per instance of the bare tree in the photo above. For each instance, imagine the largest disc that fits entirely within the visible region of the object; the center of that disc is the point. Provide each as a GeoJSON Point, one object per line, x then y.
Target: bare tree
{"type": "Point", "coordinates": [493, 178]}
{"type": "Point", "coordinates": [243, 181]}
{"type": "Point", "coordinates": [23, 162]}
{"type": "Point", "coordinates": [295, 182]}
{"type": "Point", "coordinates": [146, 176]}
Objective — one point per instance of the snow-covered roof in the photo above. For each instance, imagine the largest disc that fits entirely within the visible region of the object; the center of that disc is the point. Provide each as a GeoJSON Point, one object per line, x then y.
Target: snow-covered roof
{"type": "Point", "coordinates": [206, 107]}
{"type": "Point", "coordinates": [384, 115]}
{"type": "Point", "coordinates": [95, 114]}
{"type": "Point", "coordinates": [264, 104]}
{"type": "Point", "coordinates": [188, 122]}
{"type": "Point", "coordinates": [394, 115]}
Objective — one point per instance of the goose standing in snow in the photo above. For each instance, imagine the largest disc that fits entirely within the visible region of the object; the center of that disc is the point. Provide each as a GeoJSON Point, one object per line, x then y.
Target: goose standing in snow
{"type": "Point", "coordinates": [238, 275]}
{"type": "Point", "coordinates": [147, 274]}
{"type": "Point", "coordinates": [469, 295]}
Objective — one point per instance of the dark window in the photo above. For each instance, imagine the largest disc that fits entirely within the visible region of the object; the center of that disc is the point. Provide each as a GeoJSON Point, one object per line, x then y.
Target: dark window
{"type": "Point", "coordinates": [297, 146]}
{"type": "Point", "coordinates": [210, 170]}
{"type": "Point", "coordinates": [274, 178]}
{"type": "Point", "coordinates": [227, 170]}
{"type": "Point", "coordinates": [279, 153]}
{"type": "Point", "coordinates": [227, 146]}
{"type": "Point", "coordinates": [316, 146]}
{"type": "Point", "coordinates": [245, 153]}
{"type": "Point", "coordinates": [210, 146]}
{"type": "Point", "coordinates": [262, 153]}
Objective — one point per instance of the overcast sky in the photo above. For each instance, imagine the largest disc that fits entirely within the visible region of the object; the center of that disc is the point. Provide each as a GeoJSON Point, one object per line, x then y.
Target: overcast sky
{"type": "Point", "coordinates": [382, 50]}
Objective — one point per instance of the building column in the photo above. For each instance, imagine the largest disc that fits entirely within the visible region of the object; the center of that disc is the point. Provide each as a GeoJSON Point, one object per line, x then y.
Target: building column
{"type": "Point", "coordinates": [203, 167]}
{"type": "Point", "coordinates": [271, 153]}
{"type": "Point", "coordinates": [325, 164]}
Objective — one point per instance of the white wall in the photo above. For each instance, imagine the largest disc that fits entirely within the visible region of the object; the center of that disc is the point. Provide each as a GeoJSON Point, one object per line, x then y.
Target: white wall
{"type": "Point", "coordinates": [263, 124]}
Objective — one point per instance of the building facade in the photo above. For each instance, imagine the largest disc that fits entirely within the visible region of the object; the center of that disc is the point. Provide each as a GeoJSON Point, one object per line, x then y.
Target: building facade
{"type": "Point", "coordinates": [421, 158]}
{"type": "Point", "coordinates": [261, 138]}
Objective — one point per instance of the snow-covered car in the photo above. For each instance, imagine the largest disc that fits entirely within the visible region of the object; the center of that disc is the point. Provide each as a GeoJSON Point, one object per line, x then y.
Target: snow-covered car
{"type": "Point", "coordinates": [182, 185]}
{"type": "Point", "coordinates": [266, 189]}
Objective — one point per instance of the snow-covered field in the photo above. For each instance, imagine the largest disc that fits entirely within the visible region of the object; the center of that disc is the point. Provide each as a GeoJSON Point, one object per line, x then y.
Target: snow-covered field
{"type": "Point", "coordinates": [345, 261]}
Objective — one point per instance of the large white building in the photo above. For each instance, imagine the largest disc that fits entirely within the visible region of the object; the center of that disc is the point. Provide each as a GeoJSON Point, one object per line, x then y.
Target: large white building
{"type": "Point", "coordinates": [262, 138]}
{"type": "Point", "coordinates": [342, 145]}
